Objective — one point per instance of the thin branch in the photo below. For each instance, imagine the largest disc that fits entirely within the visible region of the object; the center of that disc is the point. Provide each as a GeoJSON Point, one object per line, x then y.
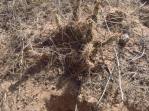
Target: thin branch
{"type": "Point", "coordinates": [58, 20]}
{"type": "Point", "coordinates": [22, 52]}
{"type": "Point", "coordinates": [76, 108]}
{"type": "Point", "coordinates": [105, 20]}
{"type": "Point", "coordinates": [119, 71]}
{"type": "Point", "coordinates": [110, 76]}
{"type": "Point", "coordinates": [138, 57]}
{"type": "Point", "coordinates": [104, 90]}
{"type": "Point", "coordinates": [142, 5]}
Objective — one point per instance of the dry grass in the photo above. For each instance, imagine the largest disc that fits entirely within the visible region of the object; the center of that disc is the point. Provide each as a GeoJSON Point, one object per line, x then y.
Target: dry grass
{"type": "Point", "coordinates": [74, 52]}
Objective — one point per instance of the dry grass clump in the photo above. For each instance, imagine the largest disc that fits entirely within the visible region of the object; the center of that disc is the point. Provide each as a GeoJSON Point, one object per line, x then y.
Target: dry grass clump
{"type": "Point", "coordinates": [114, 21]}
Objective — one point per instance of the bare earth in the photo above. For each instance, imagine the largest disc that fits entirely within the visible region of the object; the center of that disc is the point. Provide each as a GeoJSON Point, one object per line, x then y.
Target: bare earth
{"type": "Point", "coordinates": [59, 56]}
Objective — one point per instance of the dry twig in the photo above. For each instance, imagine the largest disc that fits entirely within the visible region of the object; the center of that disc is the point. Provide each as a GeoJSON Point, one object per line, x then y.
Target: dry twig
{"type": "Point", "coordinates": [109, 78]}
{"type": "Point", "coordinates": [58, 20]}
{"type": "Point", "coordinates": [76, 108]}
{"type": "Point", "coordinates": [138, 57]}
{"type": "Point", "coordinates": [135, 10]}
{"type": "Point", "coordinates": [119, 71]}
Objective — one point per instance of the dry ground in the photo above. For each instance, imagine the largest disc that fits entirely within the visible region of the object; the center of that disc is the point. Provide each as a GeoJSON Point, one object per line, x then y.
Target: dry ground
{"type": "Point", "coordinates": [51, 61]}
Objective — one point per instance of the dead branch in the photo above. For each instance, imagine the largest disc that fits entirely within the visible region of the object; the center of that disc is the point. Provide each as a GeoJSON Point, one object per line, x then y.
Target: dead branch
{"type": "Point", "coordinates": [138, 57]}
{"type": "Point", "coordinates": [109, 78]}
{"type": "Point", "coordinates": [119, 72]}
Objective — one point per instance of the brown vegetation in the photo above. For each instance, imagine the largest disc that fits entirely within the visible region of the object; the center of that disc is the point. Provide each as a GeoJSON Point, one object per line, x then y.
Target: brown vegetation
{"type": "Point", "coordinates": [74, 55]}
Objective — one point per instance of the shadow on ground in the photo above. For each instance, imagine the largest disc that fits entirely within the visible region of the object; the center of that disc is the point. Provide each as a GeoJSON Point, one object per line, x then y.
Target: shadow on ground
{"type": "Point", "coordinates": [68, 100]}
